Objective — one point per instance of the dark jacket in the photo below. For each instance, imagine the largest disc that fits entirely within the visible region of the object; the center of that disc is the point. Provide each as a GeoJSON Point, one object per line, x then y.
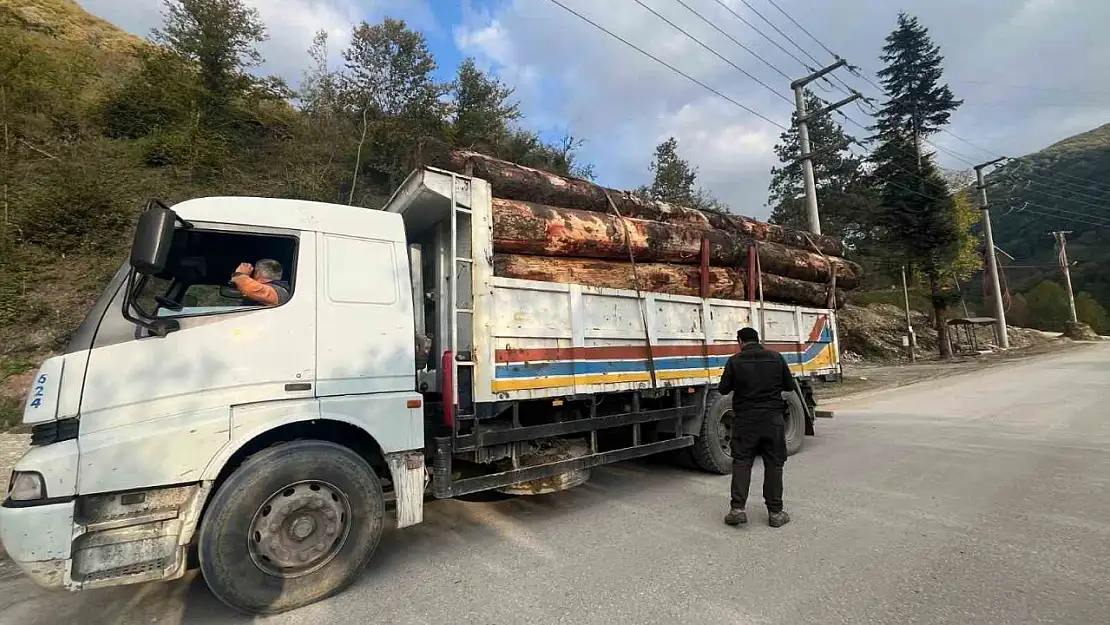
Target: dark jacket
{"type": "Point", "coordinates": [756, 377]}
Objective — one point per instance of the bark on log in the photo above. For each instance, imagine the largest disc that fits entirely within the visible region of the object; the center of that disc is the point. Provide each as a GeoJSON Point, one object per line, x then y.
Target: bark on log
{"type": "Point", "coordinates": [791, 291]}
{"type": "Point", "coordinates": [516, 182]}
{"type": "Point", "coordinates": [653, 277]}
{"type": "Point", "coordinates": [527, 228]}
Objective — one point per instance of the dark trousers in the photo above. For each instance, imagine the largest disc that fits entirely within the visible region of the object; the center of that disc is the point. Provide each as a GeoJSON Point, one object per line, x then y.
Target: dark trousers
{"type": "Point", "coordinates": [758, 434]}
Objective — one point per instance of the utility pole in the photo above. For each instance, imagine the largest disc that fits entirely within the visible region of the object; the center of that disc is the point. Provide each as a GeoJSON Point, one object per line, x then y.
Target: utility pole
{"type": "Point", "coordinates": [802, 121]}
{"type": "Point", "coordinates": [1061, 245]}
{"type": "Point", "coordinates": [909, 324]}
{"type": "Point", "coordinates": [992, 258]}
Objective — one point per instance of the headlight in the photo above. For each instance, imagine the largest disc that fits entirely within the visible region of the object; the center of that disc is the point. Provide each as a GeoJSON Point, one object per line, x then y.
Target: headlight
{"type": "Point", "coordinates": [26, 486]}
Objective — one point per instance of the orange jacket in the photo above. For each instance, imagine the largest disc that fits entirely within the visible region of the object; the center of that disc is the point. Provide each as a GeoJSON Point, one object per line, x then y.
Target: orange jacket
{"type": "Point", "coordinates": [255, 291]}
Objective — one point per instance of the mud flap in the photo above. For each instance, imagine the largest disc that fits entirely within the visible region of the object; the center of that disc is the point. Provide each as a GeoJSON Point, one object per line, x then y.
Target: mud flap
{"type": "Point", "coordinates": [409, 477]}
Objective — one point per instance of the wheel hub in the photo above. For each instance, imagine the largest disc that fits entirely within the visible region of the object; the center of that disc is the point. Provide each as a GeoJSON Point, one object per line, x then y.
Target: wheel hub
{"type": "Point", "coordinates": [724, 432]}
{"type": "Point", "coordinates": [299, 529]}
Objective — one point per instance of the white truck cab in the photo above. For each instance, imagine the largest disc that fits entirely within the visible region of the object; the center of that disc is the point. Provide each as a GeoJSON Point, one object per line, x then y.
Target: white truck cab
{"type": "Point", "coordinates": [172, 381]}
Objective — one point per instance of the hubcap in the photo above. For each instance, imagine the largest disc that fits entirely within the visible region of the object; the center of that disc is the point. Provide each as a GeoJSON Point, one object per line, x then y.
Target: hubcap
{"type": "Point", "coordinates": [724, 432]}
{"type": "Point", "coordinates": [299, 529]}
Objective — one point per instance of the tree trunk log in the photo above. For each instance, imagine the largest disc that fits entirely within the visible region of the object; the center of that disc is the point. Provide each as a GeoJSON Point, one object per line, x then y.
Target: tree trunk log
{"type": "Point", "coordinates": [724, 283]}
{"type": "Point", "coordinates": [527, 228]}
{"type": "Point", "coordinates": [516, 182]}
{"type": "Point", "coordinates": [780, 289]}
{"type": "Point", "coordinates": [653, 277]}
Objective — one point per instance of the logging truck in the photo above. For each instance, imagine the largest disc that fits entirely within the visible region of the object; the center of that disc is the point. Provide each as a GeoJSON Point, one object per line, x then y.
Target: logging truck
{"type": "Point", "coordinates": [271, 444]}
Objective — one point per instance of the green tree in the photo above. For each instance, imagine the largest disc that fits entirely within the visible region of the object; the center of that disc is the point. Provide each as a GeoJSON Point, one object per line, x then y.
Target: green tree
{"type": "Point", "coordinates": [918, 104]}
{"type": "Point", "coordinates": [389, 85]}
{"type": "Point", "coordinates": [1048, 306]}
{"type": "Point", "coordinates": [1089, 311]}
{"type": "Point", "coordinates": [918, 217]}
{"type": "Point", "coordinates": [220, 37]}
{"type": "Point", "coordinates": [844, 198]}
{"type": "Point", "coordinates": [319, 95]}
{"type": "Point", "coordinates": [674, 176]}
{"type": "Point", "coordinates": [673, 180]}
{"type": "Point", "coordinates": [484, 109]}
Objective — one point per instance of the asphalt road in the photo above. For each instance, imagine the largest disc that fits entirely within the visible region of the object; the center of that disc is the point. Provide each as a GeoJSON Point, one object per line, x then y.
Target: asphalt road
{"type": "Point", "coordinates": [978, 499]}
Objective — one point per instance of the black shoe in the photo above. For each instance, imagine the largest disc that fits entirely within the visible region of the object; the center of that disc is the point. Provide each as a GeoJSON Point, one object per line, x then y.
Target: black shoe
{"type": "Point", "coordinates": [736, 517]}
{"type": "Point", "coordinates": [778, 519]}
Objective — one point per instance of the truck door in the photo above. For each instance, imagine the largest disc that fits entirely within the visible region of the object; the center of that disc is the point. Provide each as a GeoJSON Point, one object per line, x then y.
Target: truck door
{"type": "Point", "coordinates": [154, 409]}
{"type": "Point", "coordinates": [365, 321]}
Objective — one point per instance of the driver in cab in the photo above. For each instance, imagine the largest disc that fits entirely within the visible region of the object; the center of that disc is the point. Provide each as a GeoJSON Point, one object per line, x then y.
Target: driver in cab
{"type": "Point", "coordinates": [261, 283]}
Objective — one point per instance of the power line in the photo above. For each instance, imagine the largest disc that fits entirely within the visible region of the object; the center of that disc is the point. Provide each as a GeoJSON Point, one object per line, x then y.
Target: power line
{"type": "Point", "coordinates": [1103, 221]}
{"type": "Point", "coordinates": [761, 33]}
{"type": "Point", "coordinates": [1026, 159]}
{"type": "Point", "coordinates": [1070, 199]}
{"type": "Point", "coordinates": [733, 39]}
{"type": "Point", "coordinates": [1045, 180]}
{"type": "Point", "coordinates": [779, 31]}
{"type": "Point", "coordinates": [803, 29]}
{"type": "Point", "coordinates": [1064, 217]}
{"type": "Point", "coordinates": [666, 64]}
{"type": "Point", "coordinates": [711, 50]}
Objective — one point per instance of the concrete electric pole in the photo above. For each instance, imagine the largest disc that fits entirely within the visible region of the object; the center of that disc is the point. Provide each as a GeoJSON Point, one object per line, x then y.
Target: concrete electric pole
{"type": "Point", "coordinates": [1061, 245]}
{"type": "Point", "coordinates": [911, 339]}
{"type": "Point", "coordinates": [802, 121]}
{"type": "Point", "coordinates": [992, 257]}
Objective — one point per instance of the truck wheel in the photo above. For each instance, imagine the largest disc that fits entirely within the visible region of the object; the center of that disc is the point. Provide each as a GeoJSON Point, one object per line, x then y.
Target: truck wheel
{"type": "Point", "coordinates": [711, 451]}
{"type": "Point", "coordinates": [294, 524]}
{"type": "Point", "coordinates": [795, 418]}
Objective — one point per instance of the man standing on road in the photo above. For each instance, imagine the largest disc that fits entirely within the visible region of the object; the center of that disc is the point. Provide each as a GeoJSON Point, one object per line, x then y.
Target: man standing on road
{"type": "Point", "coordinates": [757, 377]}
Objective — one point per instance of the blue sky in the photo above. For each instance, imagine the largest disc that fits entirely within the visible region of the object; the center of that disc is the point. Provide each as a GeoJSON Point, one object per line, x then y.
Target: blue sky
{"type": "Point", "coordinates": [1024, 68]}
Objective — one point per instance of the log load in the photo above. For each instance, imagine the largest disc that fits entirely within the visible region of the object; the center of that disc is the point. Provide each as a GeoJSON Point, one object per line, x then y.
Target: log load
{"type": "Point", "coordinates": [529, 228]}
{"type": "Point", "coordinates": [670, 278]}
{"type": "Point", "coordinates": [516, 182]}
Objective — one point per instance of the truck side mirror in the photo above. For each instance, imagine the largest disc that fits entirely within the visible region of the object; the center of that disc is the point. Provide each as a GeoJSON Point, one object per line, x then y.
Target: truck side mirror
{"type": "Point", "coordinates": [153, 236]}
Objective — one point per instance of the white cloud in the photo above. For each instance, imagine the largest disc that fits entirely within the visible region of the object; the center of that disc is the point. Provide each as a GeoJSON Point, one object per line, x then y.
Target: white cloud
{"type": "Point", "coordinates": [624, 104]}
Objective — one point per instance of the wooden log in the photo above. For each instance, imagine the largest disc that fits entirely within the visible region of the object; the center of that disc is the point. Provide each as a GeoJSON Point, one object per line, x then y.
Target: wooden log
{"type": "Point", "coordinates": [799, 292]}
{"type": "Point", "coordinates": [674, 279]}
{"type": "Point", "coordinates": [788, 262]}
{"type": "Point", "coordinates": [516, 182]}
{"type": "Point", "coordinates": [528, 228]}
{"type": "Point", "coordinates": [653, 277]}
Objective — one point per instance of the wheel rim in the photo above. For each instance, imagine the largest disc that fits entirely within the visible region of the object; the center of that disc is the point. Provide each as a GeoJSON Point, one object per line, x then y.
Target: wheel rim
{"type": "Point", "coordinates": [791, 426]}
{"type": "Point", "coordinates": [299, 529]}
{"type": "Point", "coordinates": [724, 432]}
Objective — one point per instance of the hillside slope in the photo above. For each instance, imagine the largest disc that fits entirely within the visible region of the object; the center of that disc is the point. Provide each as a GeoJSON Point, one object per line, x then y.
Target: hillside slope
{"type": "Point", "coordinates": [1065, 186]}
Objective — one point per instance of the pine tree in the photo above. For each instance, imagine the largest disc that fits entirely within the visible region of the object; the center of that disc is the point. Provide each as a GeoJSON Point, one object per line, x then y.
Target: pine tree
{"type": "Point", "coordinates": [674, 179]}
{"type": "Point", "coordinates": [674, 176]}
{"type": "Point", "coordinates": [842, 193]}
{"type": "Point", "coordinates": [919, 218]}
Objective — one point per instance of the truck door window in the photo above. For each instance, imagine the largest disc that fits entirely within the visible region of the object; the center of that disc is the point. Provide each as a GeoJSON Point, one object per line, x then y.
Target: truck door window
{"type": "Point", "coordinates": [197, 278]}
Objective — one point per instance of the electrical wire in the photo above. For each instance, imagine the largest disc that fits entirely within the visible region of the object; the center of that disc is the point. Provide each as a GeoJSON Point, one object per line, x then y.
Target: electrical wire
{"type": "Point", "coordinates": [733, 39]}
{"type": "Point", "coordinates": [762, 34]}
{"type": "Point", "coordinates": [712, 51]}
{"type": "Point", "coordinates": [802, 28]}
{"type": "Point", "coordinates": [667, 65]}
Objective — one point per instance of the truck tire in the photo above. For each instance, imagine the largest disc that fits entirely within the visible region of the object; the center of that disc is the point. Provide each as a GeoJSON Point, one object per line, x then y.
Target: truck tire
{"type": "Point", "coordinates": [795, 418]}
{"type": "Point", "coordinates": [711, 451]}
{"type": "Point", "coordinates": [294, 524]}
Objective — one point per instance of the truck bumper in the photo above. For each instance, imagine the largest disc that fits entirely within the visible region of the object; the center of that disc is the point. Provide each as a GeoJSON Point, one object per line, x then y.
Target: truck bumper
{"type": "Point", "coordinates": [104, 540]}
{"type": "Point", "coordinates": [38, 539]}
